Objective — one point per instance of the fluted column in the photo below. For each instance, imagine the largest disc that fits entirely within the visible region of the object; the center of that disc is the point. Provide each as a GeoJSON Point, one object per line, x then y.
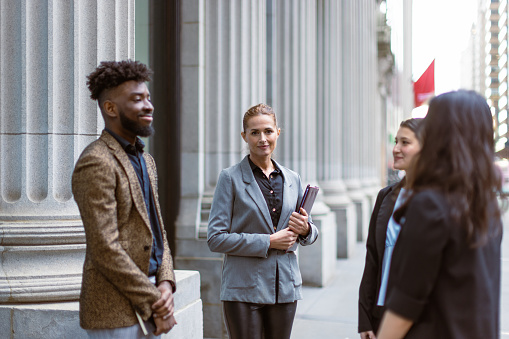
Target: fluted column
{"type": "Point", "coordinates": [294, 98]}
{"type": "Point", "coordinates": [350, 114]}
{"type": "Point", "coordinates": [354, 111]}
{"type": "Point", "coordinates": [223, 74]}
{"type": "Point", "coordinates": [384, 66]}
{"type": "Point", "coordinates": [234, 78]}
{"type": "Point", "coordinates": [361, 89]}
{"type": "Point", "coordinates": [376, 142]}
{"type": "Point", "coordinates": [329, 124]}
{"type": "Point", "coordinates": [294, 84]}
{"type": "Point", "coordinates": [370, 121]}
{"type": "Point", "coordinates": [46, 119]}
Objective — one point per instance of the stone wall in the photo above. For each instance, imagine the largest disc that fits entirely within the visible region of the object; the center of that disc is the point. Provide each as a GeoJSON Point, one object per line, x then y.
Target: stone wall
{"type": "Point", "coordinates": [46, 119]}
{"type": "Point", "coordinates": [311, 60]}
{"type": "Point", "coordinates": [61, 319]}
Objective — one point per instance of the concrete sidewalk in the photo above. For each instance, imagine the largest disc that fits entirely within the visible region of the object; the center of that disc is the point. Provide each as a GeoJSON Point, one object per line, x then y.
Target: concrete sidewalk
{"type": "Point", "coordinates": [331, 311]}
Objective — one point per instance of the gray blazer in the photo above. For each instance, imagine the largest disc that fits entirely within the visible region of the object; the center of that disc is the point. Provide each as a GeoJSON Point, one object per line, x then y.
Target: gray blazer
{"type": "Point", "coordinates": [240, 227]}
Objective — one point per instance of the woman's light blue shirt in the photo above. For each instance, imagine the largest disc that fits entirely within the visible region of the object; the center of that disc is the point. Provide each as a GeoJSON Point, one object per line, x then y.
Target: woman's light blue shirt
{"type": "Point", "coordinates": [393, 229]}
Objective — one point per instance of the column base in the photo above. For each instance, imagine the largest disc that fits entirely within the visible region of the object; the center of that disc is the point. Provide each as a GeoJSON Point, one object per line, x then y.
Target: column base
{"type": "Point", "coordinates": [346, 220]}
{"type": "Point", "coordinates": [210, 272]}
{"type": "Point", "coordinates": [46, 320]}
{"type": "Point", "coordinates": [61, 320]}
{"type": "Point", "coordinates": [317, 262]}
{"type": "Point", "coordinates": [194, 254]}
{"type": "Point", "coordinates": [362, 208]}
{"type": "Point", "coordinates": [371, 188]}
{"type": "Point", "coordinates": [41, 259]}
{"type": "Point", "coordinates": [336, 197]}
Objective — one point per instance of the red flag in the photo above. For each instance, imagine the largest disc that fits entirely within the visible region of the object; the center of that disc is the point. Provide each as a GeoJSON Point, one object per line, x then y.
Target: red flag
{"type": "Point", "coordinates": [424, 88]}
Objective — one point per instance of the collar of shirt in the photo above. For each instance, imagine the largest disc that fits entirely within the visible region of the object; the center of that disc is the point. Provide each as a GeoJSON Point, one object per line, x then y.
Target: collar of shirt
{"type": "Point", "coordinates": [256, 168]}
{"type": "Point", "coordinates": [138, 147]}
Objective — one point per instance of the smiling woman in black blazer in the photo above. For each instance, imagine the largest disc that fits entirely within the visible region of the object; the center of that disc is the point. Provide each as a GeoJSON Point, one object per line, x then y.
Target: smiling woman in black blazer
{"type": "Point", "coordinates": [445, 273]}
{"type": "Point", "coordinates": [383, 232]}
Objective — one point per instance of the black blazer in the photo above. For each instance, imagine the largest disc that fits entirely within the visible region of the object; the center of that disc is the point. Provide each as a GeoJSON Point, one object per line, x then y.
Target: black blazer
{"type": "Point", "coordinates": [446, 286]}
{"type": "Point", "coordinates": [369, 312]}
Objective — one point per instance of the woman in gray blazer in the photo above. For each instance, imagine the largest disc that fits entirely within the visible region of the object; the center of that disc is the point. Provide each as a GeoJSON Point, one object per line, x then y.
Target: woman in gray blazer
{"type": "Point", "coordinates": [254, 223]}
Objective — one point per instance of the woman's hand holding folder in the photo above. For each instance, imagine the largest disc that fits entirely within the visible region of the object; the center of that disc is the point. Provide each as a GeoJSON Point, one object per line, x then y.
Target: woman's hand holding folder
{"type": "Point", "coordinates": [299, 222]}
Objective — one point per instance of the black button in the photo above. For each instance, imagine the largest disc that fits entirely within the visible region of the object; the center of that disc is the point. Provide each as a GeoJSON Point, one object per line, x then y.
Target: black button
{"type": "Point", "coordinates": [130, 149]}
{"type": "Point", "coordinates": [146, 248]}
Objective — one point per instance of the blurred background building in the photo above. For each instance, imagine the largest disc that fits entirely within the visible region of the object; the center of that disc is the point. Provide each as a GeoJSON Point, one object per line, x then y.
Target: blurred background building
{"type": "Point", "coordinates": [486, 67]}
{"type": "Point", "coordinates": [338, 74]}
{"type": "Point", "coordinates": [485, 62]}
{"type": "Point", "coordinates": [498, 16]}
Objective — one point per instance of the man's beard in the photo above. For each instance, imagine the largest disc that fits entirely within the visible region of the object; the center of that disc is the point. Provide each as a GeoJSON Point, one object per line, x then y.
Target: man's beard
{"type": "Point", "coordinates": [133, 127]}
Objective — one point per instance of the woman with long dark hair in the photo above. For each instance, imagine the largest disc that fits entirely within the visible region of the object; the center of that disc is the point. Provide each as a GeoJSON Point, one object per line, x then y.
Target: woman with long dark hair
{"type": "Point", "coordinates": [383, 231]}
{"type": "Point", "coordinates": [445, 273]}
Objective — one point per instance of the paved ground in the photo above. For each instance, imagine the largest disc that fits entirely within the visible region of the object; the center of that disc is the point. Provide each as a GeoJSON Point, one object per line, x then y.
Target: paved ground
{"type": "Point", "coordinates": [331, 311]}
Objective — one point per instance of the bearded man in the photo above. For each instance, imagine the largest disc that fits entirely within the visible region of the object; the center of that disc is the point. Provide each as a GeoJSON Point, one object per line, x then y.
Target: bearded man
{"type": "Point", "coordinates": [128, 279]}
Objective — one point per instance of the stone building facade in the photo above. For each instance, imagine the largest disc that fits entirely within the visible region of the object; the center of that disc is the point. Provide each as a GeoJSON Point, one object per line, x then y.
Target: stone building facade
{"type": "Point", "coordinates": [316, 62]}
{"type": "Point", "coordinates": [46, 119]}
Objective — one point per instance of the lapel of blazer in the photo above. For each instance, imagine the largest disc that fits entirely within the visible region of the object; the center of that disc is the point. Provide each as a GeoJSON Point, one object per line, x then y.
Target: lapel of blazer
{"type": "Point", "coordinates": [253, 190]}
{"type": "Point", "coordinates": [289, 195]}
{"type": "Point", "coordinates": [134, 183]}
{"type": "Point", "coordinates": [152, 174]}
{"type": "Point", "coordinates": [382, 221]}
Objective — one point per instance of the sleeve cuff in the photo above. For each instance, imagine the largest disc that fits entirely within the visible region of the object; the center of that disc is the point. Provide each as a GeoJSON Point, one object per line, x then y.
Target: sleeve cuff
{"type": "Point", "coordinates": [172, 283]}
{"type": "Point", "coordinates": [405, 305]}
{"type": "Point", "coordinates": [173, 286]}
{"type": "Point", "coordinates": [310, 230]}
{"type": "Point", "coordinates": [307, 240]}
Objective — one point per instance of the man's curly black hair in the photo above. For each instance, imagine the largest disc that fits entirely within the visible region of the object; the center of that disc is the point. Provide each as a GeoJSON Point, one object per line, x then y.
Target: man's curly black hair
{"type": "Point", "coordinates": [110, 74]}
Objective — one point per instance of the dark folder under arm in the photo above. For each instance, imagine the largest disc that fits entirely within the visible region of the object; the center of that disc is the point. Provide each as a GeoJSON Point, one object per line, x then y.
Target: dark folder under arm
{"type": "Point", "coordinates": [308, 199]}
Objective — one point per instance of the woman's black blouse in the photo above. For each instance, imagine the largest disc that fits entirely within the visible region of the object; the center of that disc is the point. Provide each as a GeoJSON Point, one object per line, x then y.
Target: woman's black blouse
{"type": "Point", "coordinates": [272, 190]}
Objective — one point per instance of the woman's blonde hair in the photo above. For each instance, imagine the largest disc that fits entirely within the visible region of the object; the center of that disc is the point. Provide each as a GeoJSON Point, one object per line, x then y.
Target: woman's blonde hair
{"type": "Point", "coordinates": [260, 109]}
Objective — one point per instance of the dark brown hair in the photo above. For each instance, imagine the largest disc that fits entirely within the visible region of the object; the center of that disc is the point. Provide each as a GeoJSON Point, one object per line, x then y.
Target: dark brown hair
{"type": "Point", "coordinates": [415, 125]}
{"type": "Point", "coordinates": [457, 159]}
{"type": "Point", "coordinates": [260, 109]}
{"type": "Point", "coordinates": [110, 74]}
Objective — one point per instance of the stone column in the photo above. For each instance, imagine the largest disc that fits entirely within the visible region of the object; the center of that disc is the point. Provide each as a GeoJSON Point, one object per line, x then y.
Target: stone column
{"type": "Point", "coordinates": [385, 69]}
{"type": "Point", "coordinates": [293, 81]}
{"type": "Point", "coordinates": [46, 119]}
{"type": "Point", "coordinates": [223, 74]}
{"type": "Point", "coordinates": [371, 158]}
{"type": "Point", "coordinates": [353, 132]}
{"type": "Point", "coordinates": [369, 125]}
{"type": "Point", "coordinates": [329, 129]}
